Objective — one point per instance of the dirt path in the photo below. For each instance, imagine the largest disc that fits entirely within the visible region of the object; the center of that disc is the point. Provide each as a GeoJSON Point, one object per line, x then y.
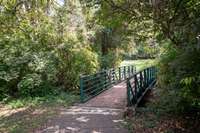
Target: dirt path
{"type": "Point", "coordinates": [102, 114]}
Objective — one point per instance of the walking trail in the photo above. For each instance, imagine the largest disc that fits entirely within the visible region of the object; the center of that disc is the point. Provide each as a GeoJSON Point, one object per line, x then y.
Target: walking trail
{"type": "Point", "coordinates": [102, 114]}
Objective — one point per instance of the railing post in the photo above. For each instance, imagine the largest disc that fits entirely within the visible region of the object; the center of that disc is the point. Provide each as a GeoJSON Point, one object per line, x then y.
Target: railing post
{"type": "Point", "coordinates": [148, 76]}
{"type": "Point", "coordinates": [131, 70]}
{"type": "Point", "coordinates": [114, 78]}
{"type": "Point", "coordinates": [145, 78]}
{"type": "Point", "coordinates": [128, 71]}
{"type": "Point", "coordinates": [81, 89]}
{"type": "Point", "coordinates": [136, 92]}
{"type": "Point", "coordinates": [151, 74]}
{"type": "Point", "coordinates": [141, 80]}
{"type": "Point", "coordinates": [119, 73]}
{"type": "Point", "coordinates": [105, 78]}
{"type": "Point", "coordinates": [124, 72]}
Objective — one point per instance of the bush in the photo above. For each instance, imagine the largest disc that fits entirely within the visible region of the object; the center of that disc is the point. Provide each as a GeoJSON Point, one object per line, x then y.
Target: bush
{"type": "Point", "coordinates": [72, 63]}
{"type": "Point", "coordinates": [110, 60]}
{"type": "Point", "coordinates": [38, 65]}
{"type": "Point", "coordinates": [180, 77]}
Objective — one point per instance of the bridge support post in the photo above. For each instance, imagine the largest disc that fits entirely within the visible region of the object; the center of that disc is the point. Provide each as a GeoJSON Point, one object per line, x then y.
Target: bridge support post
{"type": "Point", "coordinates": [81, 89]}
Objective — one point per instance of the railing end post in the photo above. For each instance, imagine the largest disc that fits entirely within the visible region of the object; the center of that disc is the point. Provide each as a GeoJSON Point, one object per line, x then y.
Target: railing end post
{"type": "Point", "coordinates": [81, 89]}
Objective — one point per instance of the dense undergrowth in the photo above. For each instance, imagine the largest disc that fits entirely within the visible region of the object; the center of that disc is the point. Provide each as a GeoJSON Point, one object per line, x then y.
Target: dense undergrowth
{"type": "Point", "coordinates": [154, 115]}
{"type": "Point", "coordinates": [179, 76]}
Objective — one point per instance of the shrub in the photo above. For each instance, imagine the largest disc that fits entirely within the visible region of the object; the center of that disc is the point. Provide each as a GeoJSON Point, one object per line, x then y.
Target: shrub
{"type": "Point", "coordinates": [110, 60]}
{"type": "Point", "coordinates": [179, 76]}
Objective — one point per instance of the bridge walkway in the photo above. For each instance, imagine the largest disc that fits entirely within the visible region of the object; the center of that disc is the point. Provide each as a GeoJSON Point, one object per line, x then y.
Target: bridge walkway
{"type": "Point", "coordinates": [101, 114]}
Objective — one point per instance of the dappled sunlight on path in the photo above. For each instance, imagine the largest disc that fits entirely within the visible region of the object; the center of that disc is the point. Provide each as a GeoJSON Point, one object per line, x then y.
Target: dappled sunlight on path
{"type": "Point", "coordinates": [86, 120]}
{"type": "Point", "coordinates": [102, 114]}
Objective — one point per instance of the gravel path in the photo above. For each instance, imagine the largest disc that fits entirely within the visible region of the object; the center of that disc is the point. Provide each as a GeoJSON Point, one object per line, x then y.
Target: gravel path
{"type": "Point", "coordinates": [102, 114]}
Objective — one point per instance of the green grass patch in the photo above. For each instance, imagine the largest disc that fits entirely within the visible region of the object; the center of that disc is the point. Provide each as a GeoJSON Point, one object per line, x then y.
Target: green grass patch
{"type": "Point", "coordinates": [140, 64]}
{"type": "Point", "coordinates": [62, 98]}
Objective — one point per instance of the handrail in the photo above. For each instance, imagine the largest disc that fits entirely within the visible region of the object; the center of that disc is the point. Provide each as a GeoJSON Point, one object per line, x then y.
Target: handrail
{"type": "Point", "coordinates": [91, 85]}
{"type": "Point", "coordinates": [143, 80]}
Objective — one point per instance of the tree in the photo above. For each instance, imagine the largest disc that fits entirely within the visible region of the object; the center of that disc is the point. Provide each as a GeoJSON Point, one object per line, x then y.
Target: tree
{"type": "Point", "coordinates": [36, 54]}
{"type": "Point", "coordinates": [173, 21]}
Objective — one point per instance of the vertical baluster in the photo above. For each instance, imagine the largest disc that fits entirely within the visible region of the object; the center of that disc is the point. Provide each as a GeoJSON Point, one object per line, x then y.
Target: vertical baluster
{"type": "Point", "coordinates": [81, 89]}
{"type": "Point", "coordinates": [154, 73]}
{"type": "Point", "coordinates": [128, 71]}
{"type": "Point", "coordinates": [141, 80]}
{"type": "Point", "coordinates": [124, 72]}
{"type": "Point", "coordinates": [150, 70]}
{"type": "Point", "coordinates": [145, 78]}
{"type": "Point", "coordinates": [131, 70]}
{"type": "Point", "coordinates": [151, 73]}
{"type": "Point", "coordinates": [119, 73]}
{"type": "Point", "coordinates": [136, 87]}
{"type": "Point", "coordinates": [148, 77]}
{"type": "Point", "coordinates": [113, 76]}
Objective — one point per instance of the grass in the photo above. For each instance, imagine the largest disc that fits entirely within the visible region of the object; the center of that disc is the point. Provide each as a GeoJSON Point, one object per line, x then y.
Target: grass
{"type": "Point", "coordinates": [62, 98]}
{"type": "Point", "coordinates": [25, 115]}
{"type": "Point", "coordinates": [140, 64]}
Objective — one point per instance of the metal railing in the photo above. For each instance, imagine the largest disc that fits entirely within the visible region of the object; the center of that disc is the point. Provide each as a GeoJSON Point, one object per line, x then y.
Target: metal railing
{"type": "Point", "coordinates": [138, 84]}
{"type": "Point", "coordinates": [92, 85]}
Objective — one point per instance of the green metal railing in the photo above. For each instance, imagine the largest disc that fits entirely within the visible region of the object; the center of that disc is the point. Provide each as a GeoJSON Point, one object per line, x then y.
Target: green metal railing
{"type": "Point", "coordinates": [139, 83]}
{"type": "Point", "coordinates": [92, 85]}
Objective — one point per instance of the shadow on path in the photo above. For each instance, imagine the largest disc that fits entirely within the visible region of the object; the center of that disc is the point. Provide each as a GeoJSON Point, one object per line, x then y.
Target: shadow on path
{"type": "Point", "coordinates": [102, 114]}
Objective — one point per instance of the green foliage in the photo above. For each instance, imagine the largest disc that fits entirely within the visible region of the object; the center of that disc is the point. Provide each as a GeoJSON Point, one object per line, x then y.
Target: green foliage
{"type": "Point", "coordinates": [29, 84]}
{"type": "Point", "coordinates": [119, 28]}
{"type": "Point", "coordinates": [140, 64]}
{"type": "Point", "coordinates": [80, 61]}
{"type": "Point", "coordinates": [110, 60]}
{"type": "Point", "coordinates": [179, 76]}
{"type": "Point", "coordinates": [36, 54]}
{"type": "Point", "coordinates": [58, 98]}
